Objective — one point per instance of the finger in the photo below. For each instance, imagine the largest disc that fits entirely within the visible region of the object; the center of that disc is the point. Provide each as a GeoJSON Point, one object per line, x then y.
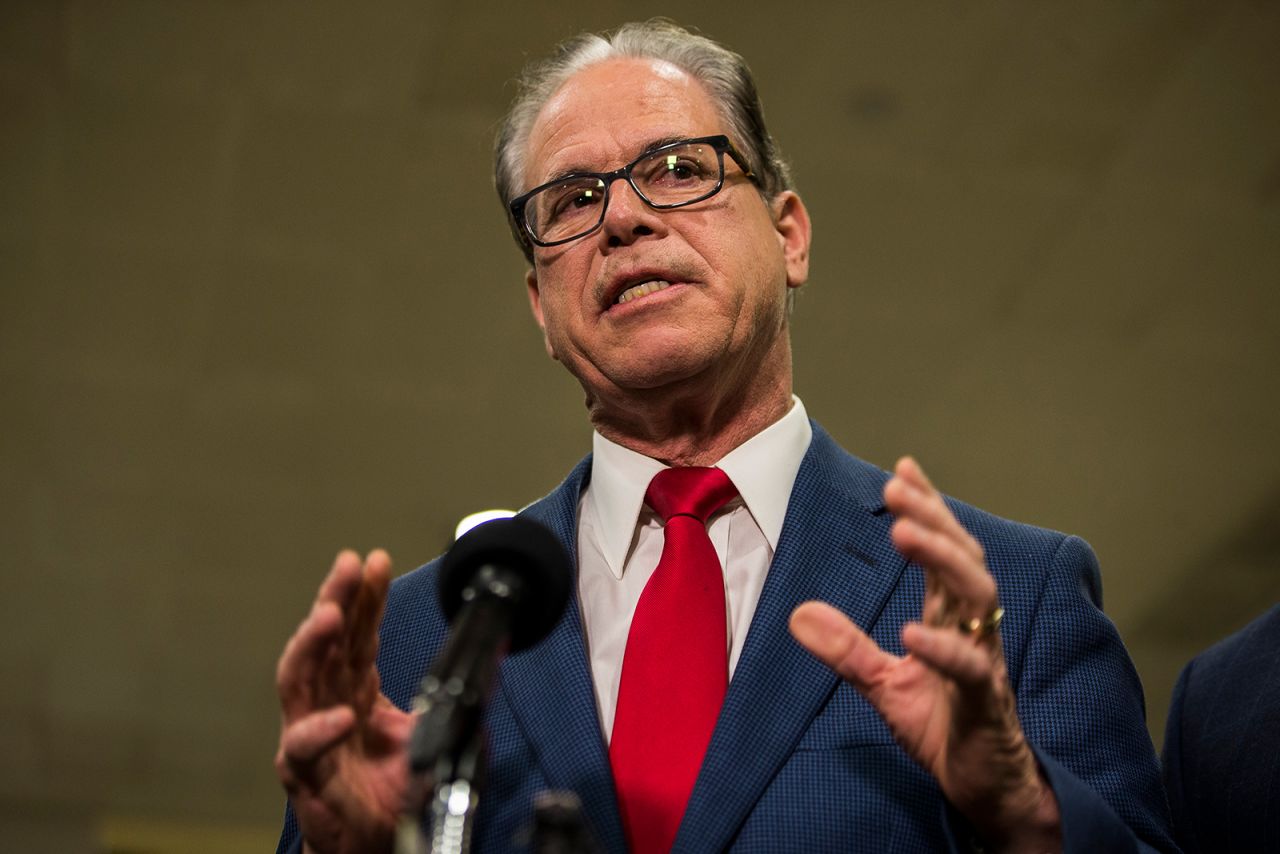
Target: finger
{"type": "Point", "coordinates": [838, 643]}
{"type": "Point", "coordinates": [342, 583]}
{"type": "Point", "coordinates": [366, 612]}
{"type": "Point", "coordinates": [961, 574]}
{"type": "Point", "coordinates": [300, 672]}
{"type": "Point", "coordinates": [304, 742]}
{"type": "Point", "coordinates": [347, 673]}
{"type": "Point", "coordinates": [907, 498]}
{"type": "Point", "coordinates": [969, 664]}
{"type": "Point", "coordinates": [910, 470]}
{"type": "Point", "coordinates": [304, 657]}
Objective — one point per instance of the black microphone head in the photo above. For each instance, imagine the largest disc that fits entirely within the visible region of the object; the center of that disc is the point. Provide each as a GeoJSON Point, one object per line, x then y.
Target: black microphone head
{"type": "Point", "coordinates": [526, 549]}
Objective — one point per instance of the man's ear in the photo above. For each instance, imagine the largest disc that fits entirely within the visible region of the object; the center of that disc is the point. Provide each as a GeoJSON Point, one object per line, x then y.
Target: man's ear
{"type": "Point", "coordinates": [791, 219]}
{"type": "Point", "coordinates": [535, 304]}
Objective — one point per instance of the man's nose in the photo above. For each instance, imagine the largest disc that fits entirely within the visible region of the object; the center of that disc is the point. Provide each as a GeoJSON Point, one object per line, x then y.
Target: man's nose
{"type": "Point", "coordinates": [627, 216]}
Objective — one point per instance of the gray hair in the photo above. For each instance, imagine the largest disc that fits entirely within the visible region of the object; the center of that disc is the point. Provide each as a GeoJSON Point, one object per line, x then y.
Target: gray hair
{"type": "Point", "coordinates": [723, 72]}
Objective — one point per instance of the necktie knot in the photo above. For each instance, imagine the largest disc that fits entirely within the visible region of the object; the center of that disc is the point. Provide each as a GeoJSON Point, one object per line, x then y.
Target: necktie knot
{"type": "Point", "coordinates": [695, 491]}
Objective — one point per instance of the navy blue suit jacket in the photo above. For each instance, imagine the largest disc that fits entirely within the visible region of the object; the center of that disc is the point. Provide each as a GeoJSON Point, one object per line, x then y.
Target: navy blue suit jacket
{"type": "Point", "coordinates": [1222, 744]}
{"type": "Point", "coordinates": [799, 761]}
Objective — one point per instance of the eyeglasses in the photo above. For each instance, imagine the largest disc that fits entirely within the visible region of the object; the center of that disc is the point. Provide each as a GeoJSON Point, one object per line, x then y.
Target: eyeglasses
{"type": "Point", "coordinates": [670, 176]}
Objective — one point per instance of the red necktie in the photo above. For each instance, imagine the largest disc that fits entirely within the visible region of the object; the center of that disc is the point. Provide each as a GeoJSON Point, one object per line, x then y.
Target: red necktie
{"type": "Point", "coordinates": [676, 667]}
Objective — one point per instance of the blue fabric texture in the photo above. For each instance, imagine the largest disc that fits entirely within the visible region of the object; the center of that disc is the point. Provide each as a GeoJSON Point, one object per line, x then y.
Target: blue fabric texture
{"type": "Point", "coordinates": [1222, 744]}
{"type": "Point", "coordinates": [799, 761]}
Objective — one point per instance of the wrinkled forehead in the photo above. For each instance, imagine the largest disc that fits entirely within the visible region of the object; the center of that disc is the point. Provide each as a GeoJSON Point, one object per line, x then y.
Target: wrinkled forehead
{"type": "Point", "coordinates": [605, 114]}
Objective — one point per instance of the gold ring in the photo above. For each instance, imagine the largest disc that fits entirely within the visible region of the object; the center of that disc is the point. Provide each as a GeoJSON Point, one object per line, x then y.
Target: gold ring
{"type": "Point", "coordinates": [983, 626]}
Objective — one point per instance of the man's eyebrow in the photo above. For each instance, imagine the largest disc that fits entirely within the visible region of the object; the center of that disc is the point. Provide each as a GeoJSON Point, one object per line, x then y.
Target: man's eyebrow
{"type": "Point", "coordinates": [648, 148]}
{"type": "Point", "coordinates": [655, 144]}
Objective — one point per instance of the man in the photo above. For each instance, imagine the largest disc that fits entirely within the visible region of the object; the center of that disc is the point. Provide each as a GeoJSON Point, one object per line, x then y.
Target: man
{"type": "Point", "coordinates": [1221, 759]}
{"type": "Point", "coordinates": [664, 240]}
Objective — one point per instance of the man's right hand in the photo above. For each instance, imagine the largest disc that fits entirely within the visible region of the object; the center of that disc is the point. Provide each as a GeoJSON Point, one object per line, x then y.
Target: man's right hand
{"type": "Point", "coordinates": [343, 744]}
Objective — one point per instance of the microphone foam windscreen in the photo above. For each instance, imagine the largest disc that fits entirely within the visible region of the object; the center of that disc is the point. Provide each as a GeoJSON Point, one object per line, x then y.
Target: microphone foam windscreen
{"type": "Point", "coordinates": [524, 548]}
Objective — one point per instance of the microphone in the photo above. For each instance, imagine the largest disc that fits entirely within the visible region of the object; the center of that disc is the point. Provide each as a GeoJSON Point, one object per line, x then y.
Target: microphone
{"type": "Point", "coordinates": [503, 585]}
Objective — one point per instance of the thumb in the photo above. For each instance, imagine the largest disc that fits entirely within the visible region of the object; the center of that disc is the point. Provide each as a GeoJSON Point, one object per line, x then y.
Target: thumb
{"type": "Point", "coordinates": [834, 640]}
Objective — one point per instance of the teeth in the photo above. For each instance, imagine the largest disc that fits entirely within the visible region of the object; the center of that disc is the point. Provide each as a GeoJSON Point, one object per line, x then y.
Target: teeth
{"type": "Point", "coordinates": [642, 290]}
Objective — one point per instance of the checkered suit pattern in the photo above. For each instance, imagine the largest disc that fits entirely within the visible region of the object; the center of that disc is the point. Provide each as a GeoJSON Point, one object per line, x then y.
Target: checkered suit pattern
{"type": "Point", "coordinates": [799, 761]}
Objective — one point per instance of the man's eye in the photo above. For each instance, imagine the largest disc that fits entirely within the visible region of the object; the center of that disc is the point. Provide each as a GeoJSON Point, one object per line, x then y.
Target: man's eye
{"type": "Point", "coordinates": [682, 170]}
{"type": "Point", "coordinates": [674, 168]}
{"type": "Point", "coordinates": [574, 198]}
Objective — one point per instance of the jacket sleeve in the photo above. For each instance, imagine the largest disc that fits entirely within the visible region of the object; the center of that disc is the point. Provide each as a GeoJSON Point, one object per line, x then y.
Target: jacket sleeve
{"type": "Point", "coordinates": [1081, 706]}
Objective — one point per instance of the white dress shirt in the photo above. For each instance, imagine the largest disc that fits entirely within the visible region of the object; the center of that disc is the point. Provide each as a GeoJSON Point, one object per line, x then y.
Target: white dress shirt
{"type": "Point", "coordinates": [620, 540]}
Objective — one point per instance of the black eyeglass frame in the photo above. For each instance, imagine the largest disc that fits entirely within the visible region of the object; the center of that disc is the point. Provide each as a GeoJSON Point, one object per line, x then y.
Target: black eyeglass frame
{"type": "Point", "coordinates": [718, 142]}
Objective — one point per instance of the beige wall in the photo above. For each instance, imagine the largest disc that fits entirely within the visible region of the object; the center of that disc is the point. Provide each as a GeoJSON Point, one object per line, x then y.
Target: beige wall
{"type": "Point", "coordinates": [257, 302]}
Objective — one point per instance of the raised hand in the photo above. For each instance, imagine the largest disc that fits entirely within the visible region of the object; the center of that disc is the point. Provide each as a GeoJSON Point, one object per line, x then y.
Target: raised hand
{"type": "Point", "coordinates": [342, 755]}
{"type": "Point", "coordinates": [948, 701]}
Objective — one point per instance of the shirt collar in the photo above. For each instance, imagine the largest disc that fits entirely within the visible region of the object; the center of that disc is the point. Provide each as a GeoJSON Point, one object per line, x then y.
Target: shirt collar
{"type": "Point", "coordinates": [763, 468]}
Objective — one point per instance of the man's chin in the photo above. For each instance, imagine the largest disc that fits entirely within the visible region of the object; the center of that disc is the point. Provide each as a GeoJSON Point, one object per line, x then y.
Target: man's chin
{"type": "Point", "coordinates": [659, 375]}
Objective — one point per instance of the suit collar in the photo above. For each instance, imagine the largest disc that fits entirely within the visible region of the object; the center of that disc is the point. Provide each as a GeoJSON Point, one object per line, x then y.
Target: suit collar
{"type": "Point", "coordinates": [763, 469]}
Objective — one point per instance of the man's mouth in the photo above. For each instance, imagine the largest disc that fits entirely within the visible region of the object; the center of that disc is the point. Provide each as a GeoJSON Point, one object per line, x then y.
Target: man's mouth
{"type": "Point", "coordinates": [643, 289]}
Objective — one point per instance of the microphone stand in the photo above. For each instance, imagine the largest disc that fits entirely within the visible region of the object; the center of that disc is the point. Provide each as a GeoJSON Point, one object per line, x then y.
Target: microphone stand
{"type": "Point", "coordinates": [457, 795]}
{"type": "Point", "coordinates": [448, 804]}
{"type": "Point", "coordinates": [446, 752]}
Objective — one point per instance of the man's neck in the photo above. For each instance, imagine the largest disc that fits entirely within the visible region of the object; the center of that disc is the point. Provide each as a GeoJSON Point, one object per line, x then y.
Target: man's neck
{"type": "Point", "coordinates": [690, 429]}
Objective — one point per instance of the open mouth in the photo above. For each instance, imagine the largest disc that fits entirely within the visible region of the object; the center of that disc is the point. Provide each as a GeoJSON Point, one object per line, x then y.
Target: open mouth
{"type": "Point", "coordinates": [642, 289]}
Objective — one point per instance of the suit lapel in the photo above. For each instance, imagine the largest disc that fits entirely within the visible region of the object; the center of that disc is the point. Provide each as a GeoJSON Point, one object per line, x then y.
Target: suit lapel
{"type": "Point", "coordinates": [835, 547]}
{"type": "Point", "coordinates": [548, 688]}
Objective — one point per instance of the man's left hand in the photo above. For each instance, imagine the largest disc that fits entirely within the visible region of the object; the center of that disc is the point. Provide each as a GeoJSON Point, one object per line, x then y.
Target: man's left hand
{"type": "Point", "coordinates": [948, 701]}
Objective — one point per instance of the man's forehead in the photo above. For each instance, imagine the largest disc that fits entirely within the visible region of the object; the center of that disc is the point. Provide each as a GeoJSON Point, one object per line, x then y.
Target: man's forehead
{"type": "Point", "coordinates": [643, 77]}
{"type": "Point", "coordinates": [614, 109]}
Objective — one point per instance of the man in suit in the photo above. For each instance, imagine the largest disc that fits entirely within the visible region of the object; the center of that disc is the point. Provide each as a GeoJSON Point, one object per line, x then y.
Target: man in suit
{"type": "Point", "coordinates": [877, 695]}
{"type": "Point", "coordinates": [1221, 750]}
